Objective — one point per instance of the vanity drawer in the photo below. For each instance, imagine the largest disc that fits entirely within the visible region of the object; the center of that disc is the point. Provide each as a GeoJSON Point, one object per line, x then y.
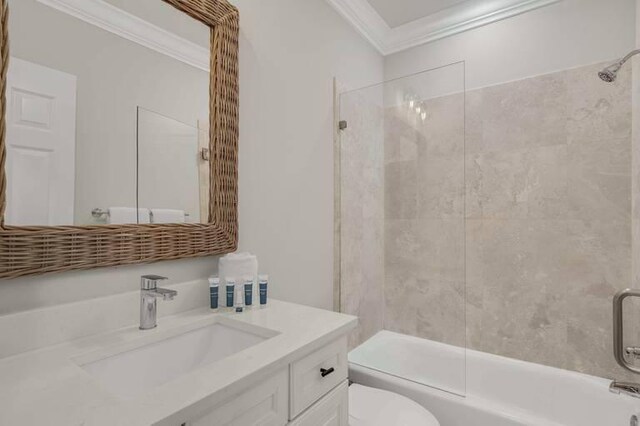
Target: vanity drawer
{"type": "Point", "coordinates": [264, 404]}
{"type": "Point", "coordinates": [316, 374]}
{"type": "Point", "coordinates": [332, 410]}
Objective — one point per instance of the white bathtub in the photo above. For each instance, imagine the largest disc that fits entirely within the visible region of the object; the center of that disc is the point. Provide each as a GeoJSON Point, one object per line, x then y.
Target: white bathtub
{"type": "Point", "coordinates": [497, 391]}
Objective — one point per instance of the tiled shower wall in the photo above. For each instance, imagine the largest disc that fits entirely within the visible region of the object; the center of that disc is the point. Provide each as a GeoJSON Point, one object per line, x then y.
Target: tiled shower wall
{"type": "Point", "coordinates": [424, 221]}
{"type": "Point", "coordinates": [512, 241]}
{"type": "Point", "coordinates": [361, 214]}
{"type": "Point", "coordinates": [549, 217]}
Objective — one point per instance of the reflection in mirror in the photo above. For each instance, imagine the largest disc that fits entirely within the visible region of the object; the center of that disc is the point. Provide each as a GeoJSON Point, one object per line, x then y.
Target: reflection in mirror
{"type": "Point", "coordinates": [169, 162]}
{"type": "Point", "coordinates": [72, 97]}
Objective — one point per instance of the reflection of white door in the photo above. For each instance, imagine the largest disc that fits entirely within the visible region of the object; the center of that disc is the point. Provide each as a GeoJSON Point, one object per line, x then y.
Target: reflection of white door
{"type": "Point", "coordinates": [41, 131]}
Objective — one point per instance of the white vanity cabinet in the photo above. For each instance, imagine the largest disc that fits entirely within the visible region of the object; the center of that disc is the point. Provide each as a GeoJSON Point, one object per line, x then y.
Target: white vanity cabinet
{"type": "Point", "coordinates": [331, 410]}
{"type": "Point", "coordinates": [264, 404]}
{"type": "Point", "coordinates": [319, 388]}
{"type": "Point", "coordinates": [311, 391]}
{"type": "Point", "coordinates": [316, 374]}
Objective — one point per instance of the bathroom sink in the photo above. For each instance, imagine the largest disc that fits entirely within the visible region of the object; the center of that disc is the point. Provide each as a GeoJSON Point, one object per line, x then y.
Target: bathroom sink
{"type": "Point", "coordinates": [129, 373]}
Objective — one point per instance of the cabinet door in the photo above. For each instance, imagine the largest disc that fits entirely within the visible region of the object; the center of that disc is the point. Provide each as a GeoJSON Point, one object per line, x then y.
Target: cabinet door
{"type": "Point", "coordinates": [264, 404]}
{"type": "Point", "coordinates": [316, 374]}
{"type": "Point", "coordinates": [332, 410]}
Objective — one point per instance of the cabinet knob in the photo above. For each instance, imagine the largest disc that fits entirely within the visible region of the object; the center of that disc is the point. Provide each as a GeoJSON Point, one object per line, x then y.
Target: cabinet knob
{"type": "Point", "coordinates": [324, 372]}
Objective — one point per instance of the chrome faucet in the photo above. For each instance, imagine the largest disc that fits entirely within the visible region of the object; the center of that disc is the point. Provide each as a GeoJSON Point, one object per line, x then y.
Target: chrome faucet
{"type": "Point", "coordinates": [149, 293]}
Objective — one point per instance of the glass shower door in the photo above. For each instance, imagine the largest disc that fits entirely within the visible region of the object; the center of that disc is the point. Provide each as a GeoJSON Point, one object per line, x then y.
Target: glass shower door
{"type": "Point", "coordinates": [402, 228]}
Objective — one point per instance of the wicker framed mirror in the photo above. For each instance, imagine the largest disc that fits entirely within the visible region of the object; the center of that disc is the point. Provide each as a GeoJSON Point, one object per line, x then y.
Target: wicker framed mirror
{"type": "Point", "coordinates": [32, 250]}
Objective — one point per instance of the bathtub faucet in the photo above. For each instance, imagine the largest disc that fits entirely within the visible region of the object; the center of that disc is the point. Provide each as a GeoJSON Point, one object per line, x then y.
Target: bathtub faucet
{"type": "Point", "coordinates": [631, 389]}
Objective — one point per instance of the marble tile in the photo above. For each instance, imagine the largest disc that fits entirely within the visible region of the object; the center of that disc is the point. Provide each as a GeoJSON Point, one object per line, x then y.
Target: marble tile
{"type": "Point", "coordinates": [473, 116]}
{"type": "Point", "coordinates": [440, 316]}
{"type": "Point", "coordinates": [599, 179]}
{"type": "Point", "coordinates": [400, 191]}
{"type": "Point", "coordinates": [546, 288]}
{"type": "Point", "coordinates": [401, 305]}
{"type": "Point", "coordinates": [529, 332]}
{"type": "Point", "coordinates": [515, 267]}
{"type": "Point", "coordinates": [440, 185]}
{"type": "Point", "coordinates": [597, 110]}
{"type": "Point", "coordinates": [424, 286]}
{"type": "Point", "coordinates": [518, 184]}
{"type": "Point", "coordinates": [362, 214]}
{"type": "Point", "coordinates": [597, 266]}
{"type": "Point", "coordinates": [444, 127]}
{"type": "Point", "coordinates": [402, 244]}
{"type": "Point", "coordinates": [431, 248]}
{"type": "Point", "coordinates": [524, 114]}
{"type": "Point", "coordinates": [401, 136]}
{"type": "Point", "coordinates": [442, 250]}
{"type": "Point", "coordinates": [368, 306]}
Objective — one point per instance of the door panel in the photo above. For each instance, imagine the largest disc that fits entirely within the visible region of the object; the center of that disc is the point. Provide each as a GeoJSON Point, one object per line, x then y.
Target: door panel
{"type": "Point", "coordinates": [41, 118]}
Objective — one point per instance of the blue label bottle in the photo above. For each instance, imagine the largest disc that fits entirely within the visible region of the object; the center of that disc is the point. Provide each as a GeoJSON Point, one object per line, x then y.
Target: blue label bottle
{"type": "Point", "coordinates": [214, 289]}
{"type": "Point", "coordinates": [263, 284]}
{"type": "Point", "coordinates": [231, 284]}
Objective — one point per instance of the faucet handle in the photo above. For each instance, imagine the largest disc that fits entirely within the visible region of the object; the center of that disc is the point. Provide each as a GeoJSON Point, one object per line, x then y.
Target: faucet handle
{"type": "Point", "coordinates": [150, 282]}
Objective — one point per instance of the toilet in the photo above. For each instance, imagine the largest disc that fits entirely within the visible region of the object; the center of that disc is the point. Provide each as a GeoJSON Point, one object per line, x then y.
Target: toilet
{"type": "Point", "coordinates": [376, 407]}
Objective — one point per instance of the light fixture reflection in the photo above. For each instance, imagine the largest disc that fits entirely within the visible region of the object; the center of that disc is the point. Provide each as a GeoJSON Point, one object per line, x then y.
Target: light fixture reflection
{"type": "Point", "coordinates": [416, 105]}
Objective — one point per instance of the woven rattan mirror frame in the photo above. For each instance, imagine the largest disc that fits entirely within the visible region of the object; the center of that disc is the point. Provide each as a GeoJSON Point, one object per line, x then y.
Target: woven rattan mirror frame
{"type": "Point", "coordinates": [39, 250]}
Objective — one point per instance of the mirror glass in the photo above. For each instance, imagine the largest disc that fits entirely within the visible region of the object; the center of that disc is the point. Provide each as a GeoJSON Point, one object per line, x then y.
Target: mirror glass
{"type": "Point", "coordinates": [107, 112]}
{"type": "Point", "coordinates": [173, 174]}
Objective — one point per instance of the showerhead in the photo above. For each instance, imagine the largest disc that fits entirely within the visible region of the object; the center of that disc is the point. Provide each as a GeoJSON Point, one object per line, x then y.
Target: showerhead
{"type": "Point", "coordinates": [610, 73]}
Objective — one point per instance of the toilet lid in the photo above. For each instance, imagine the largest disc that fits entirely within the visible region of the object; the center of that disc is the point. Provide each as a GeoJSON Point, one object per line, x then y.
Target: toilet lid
{"type": "Point", "coordinates": [376, 407]}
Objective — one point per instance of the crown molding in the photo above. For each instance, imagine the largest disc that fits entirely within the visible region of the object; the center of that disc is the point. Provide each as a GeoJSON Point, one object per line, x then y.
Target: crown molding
{"type": "Point", "coordinates": [365, 19]}
{"type": "Point", "coordinates": [448, 22]}
{"type": "Point", "coordinates": [124, 24]}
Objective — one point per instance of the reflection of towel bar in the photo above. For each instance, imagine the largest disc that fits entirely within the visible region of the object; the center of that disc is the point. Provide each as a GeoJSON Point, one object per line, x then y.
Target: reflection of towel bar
{"type": "Point", "coordinates": [98, 213]}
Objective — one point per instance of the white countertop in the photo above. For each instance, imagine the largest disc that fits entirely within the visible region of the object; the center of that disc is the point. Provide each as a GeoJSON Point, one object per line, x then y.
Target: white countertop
{"type": "Point", "coordinates": [48, 387]}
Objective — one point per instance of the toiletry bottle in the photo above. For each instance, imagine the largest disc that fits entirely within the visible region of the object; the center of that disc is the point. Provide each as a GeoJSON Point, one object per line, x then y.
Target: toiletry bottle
{"type": "Point", "coordinates": [214, 289]}
{"type": "Point", "coordinates": [248, 291]}
{"type": "Point", "coordinates": [239, 303]}
{"type": "Point", "coordinates": [263, 283]}
{"type": "Point", "coordinates": [231, 283]}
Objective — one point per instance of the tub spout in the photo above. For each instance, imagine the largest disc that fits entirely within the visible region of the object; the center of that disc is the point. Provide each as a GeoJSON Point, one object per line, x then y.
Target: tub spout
{"type": "Point", "coordinates": [631, 389]}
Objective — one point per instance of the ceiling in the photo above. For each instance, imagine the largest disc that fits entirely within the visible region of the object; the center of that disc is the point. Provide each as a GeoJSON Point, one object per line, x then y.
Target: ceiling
{"type": "Point", "coordinates": [396, 25]}
{"type": "Point", "coordinates": [399, 12]}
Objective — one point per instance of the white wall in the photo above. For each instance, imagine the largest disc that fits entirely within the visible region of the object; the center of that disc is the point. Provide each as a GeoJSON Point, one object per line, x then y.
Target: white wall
{"type": "Point", "coordinates": [290, 51]}
{"type": "Point", "coordinates": [564, 35]}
